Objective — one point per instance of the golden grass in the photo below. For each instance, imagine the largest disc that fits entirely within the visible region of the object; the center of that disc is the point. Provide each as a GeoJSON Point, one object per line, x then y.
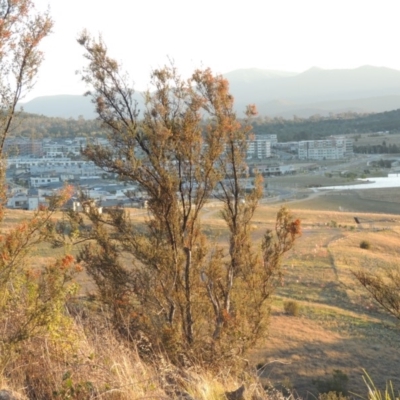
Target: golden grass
{"type": "Point", "coordinates": [93, 364]}
{"type": "Point", "coordinates": [339, 326]}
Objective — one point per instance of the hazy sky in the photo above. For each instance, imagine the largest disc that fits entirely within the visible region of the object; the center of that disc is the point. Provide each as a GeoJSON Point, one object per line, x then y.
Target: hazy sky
{"type": "Point", "coordinates": [290, 35]}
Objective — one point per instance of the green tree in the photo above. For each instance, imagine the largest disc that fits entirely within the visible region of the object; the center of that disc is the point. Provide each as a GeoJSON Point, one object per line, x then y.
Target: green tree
{"type": "Point", "coordinates": [184, 292]}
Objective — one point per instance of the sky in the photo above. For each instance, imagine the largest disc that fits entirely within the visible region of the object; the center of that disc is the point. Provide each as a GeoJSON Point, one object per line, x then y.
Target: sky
{"type": "Point", "coordinates": [288, 35]}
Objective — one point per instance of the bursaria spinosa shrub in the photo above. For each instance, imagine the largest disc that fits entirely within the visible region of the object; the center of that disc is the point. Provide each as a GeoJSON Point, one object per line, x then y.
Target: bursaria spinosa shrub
{"type": "Point", "coordinates": [166, 278]}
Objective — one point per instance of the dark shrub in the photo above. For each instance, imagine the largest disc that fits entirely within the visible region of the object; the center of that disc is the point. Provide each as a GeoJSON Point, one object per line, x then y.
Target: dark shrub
{"type": "Point", "coordinates": [337, 384]}
{"type": "Point", "coordinates": [365, 245]}
{"type": "Point", "coordinates": [291, 308]}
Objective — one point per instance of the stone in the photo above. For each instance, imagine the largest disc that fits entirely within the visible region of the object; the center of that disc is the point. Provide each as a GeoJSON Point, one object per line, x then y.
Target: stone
{"type": "Point", "coordinates": [237, 394]}
{"type": "Point", "coordinates": [7, 395]}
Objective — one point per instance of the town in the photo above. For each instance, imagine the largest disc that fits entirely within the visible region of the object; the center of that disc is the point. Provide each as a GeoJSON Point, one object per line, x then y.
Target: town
{"type": "Point", "coordinates": [37, 169]}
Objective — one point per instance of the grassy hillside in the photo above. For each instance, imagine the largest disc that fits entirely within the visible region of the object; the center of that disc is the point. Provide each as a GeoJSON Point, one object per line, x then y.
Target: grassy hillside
{"type": "Point", "coordinates": [338, 327]}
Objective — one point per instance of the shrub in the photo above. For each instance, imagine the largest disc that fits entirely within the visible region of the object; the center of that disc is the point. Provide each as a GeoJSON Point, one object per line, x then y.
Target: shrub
{"type": "Point", "coordinates": [332, 396]}
{"type": "Point", "coordinates": [292, 308]}
{"type": "Point", "coordinates": [365, 245]}
{"type": "Point", "coordinates": [206, 317]}
{"type": "Point", "coordinates": [337, 384]}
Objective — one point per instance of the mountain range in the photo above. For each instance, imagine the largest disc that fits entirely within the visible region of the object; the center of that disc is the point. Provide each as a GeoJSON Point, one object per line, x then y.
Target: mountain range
{"type": "Point", "coordinates": [276, 93]}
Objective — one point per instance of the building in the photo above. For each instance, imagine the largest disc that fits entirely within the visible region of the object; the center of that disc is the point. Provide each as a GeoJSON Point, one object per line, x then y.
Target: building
{"type": "Point", "coordinates": [23, 147]}
{"type": "Point", "coordinates": [259, 148]}
{"type": "Point", "coordinates": [43, 180]}
{"type": "Point", "coordinates": [28, 200]}
{"type": "Point", "coordinates": [63, 147]}
{"type": "Point", "coordinates": [333, 148]}
{"type": "Point", "coordinates": [270, 137]}
{"type": "Point", "coordinates": [274, 170]}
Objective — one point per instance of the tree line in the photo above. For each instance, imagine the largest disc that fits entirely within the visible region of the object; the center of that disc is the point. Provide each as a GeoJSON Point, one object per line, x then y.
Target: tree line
{"type": "Point", "coordinates": [377, 148]}
{"type": "Point", "coordinates": [319, 127]}
{"type": "Point", "coordinates": [296, 129]}
{"type": "Point", "coordinates": [35, 126]}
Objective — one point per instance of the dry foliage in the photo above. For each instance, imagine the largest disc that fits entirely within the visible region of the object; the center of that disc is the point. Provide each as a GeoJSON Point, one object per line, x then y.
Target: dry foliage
{"type": "Point", "coordinates": [165, 279]}
{"type": "Point", "coordinates": [181, 293]}
{"type": "Point", "coordinates": [21, 31]}
{"type": "Point", "coordinates": [91, 363]}
{"type": "Point", "coordinates": [384, 288]}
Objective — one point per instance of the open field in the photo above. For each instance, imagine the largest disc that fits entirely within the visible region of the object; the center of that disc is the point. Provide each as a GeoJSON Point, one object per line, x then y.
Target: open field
{"type": "Point", "coordinates": [339, 327]}
{"type": "Point", "coordinates": [376, 139]}
{"type": "Point", "coordinates": [372, 201]}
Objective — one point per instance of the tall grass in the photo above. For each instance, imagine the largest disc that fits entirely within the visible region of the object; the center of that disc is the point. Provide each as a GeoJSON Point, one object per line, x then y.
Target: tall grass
{"type": "Point", "coordinates": [376, 394]}
{"type": "Point", "coordinates": [93, 362]}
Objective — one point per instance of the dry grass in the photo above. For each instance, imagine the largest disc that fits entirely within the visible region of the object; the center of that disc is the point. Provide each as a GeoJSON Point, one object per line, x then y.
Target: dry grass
{"type": "Point", "coordinates": [387, 195]}
{"type": "Point", "coordinates": [339, 326]}
{"type": "Point", "coordinates": [384, 201]}
{"type": "Point", "coordinates": [97, 366]}
{"type": "Point", "coordinates": [91, 363]}
{"type": "Point", "coordinates": [375, 139]}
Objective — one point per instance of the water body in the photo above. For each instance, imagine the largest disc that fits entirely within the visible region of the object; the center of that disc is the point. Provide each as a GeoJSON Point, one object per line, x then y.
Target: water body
{"type": "Point", "coordinates": [391, 181]}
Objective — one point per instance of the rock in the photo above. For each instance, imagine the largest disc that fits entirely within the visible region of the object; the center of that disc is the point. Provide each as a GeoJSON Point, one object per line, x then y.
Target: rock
{"type": "Point", "coordinates": [183, 395]}
{"type": "Point", "coordinates": [236, 394]}
{"type": "Point", "coordinates": [7, 395]}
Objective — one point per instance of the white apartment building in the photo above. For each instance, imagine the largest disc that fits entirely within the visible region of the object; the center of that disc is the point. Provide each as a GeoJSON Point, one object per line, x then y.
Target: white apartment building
{"type": "Point", "coordinates": [271, 137]}
{"type": "Point", "coordinates": [63, 147]}
{"type": "Point", "coordinates": [259, 148]}
{"type": "Point", "coordinates": [333, 148]}
{"type": "Point", "coordinates": [37, 181]}
{"type": "Point", "coordinates": [273, 170]}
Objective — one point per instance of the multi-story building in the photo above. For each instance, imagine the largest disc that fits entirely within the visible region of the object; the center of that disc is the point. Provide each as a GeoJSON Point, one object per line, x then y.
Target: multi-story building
{"type": "Point", "coordinates": [23, 147]}
{"type": "Point", "coordinates": [259, 148]}
{"type": "Point", "coordinates": [348, 145]}
{"type": "Point", "coordinates": [291, 147]}
{"type": "Point", "coordinates": [271, 137]}
{"type": "Point", "coordinates": [63, 147]}
{"type": "Point", "coordinates": [333, 148]}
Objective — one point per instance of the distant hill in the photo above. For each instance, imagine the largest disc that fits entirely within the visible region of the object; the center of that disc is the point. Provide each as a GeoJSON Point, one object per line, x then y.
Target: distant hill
{"type": "Point", "coordinates": [256, 74]}
{"type": "Point", "coordinates": [66, 106]}
{"type": "Point", "coordinates": [317, 91]}
{"type": "Point", "coordinates": [276, 93]}
{"type": "Point", "coordinates": [63, 106]}
{"type": "Point", "coordinates": [287, 109]}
